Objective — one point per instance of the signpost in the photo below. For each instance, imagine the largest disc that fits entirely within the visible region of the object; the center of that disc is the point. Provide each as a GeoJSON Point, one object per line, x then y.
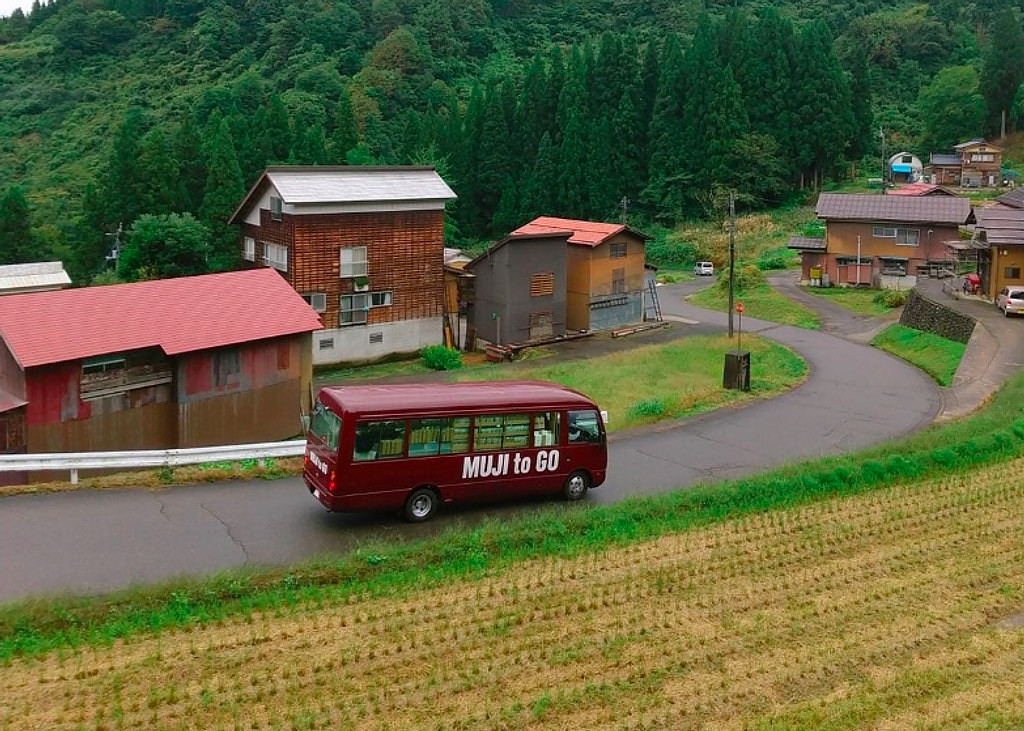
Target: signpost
{"type": "Point", "coordinates": [737, 362]}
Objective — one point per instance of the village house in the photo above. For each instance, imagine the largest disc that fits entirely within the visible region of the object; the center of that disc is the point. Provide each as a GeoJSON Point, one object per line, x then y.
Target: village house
{"type": "Point", "coordinates": [999, 240]}
{"type": "Point", "coordinates": [920, 188]}
{"type": "Point", "coordinates": [192, 361]}
{"type": "Point", "coordinates": [974, 164]}
{"type": "Point", "coordinates": [520, 288]}
{"type": "Point", "coordinates": [605, 276]}
{"type": "Point", "coordinates": [881, 240]}
{"type": "Point", "coordinates": [362, 245]}
{"type": "Point", "coordinates": [40, 276]}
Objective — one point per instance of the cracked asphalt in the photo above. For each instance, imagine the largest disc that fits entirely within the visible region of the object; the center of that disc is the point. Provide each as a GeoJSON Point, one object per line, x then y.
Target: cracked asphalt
{"type": "Point", "coordinates": [92, 542]}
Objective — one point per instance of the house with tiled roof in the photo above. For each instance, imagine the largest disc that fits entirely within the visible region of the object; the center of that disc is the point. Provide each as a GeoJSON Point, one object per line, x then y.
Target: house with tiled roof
{"type": "Point", "coordinates": [881, 240]}
{"type": "Point", "coordinates": [168, 363]}
{"type": "Point", "coordinates": [973, 164]}
{"type": "Point", "coordinates": [999, 240]}
{"type": "Point", "coordinates": [363, 245]}
{"type": "Point", "coordinates": [605, 277]}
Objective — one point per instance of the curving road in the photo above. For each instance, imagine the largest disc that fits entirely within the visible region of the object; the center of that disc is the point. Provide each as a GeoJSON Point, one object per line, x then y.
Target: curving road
{"type": "Point", "coordinates": [91, 541]}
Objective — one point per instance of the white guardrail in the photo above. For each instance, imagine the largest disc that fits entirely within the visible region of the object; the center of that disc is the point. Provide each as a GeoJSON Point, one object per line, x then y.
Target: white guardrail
{"type": "Point", "coordinates": [141, 458]}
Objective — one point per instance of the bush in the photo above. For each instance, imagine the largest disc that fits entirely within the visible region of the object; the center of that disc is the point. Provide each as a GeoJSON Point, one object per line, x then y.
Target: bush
{"type": "Point", "coordinates": [667, 251]}
{"type": "Point", "coordinates": [440, 358]}
{"type": "Point", "coordinates": [748, 277]}
{"type": "Point", "coordinates": [648, 408]}
{"type": "Point", "coordinates": [774, 259]}
{"type": "Point", "coordinates": [892, 297]}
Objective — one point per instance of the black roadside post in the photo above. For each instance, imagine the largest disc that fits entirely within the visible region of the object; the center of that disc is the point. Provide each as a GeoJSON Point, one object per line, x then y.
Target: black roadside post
{"type": "Point", "coordinates": [737, 362]}
{"type": "Point", "coordinates": [732, 254]}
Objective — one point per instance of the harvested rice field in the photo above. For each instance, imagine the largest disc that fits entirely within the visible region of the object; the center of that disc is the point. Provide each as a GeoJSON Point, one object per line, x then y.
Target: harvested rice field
{"type": "Point", "coordinates": [895, 609]}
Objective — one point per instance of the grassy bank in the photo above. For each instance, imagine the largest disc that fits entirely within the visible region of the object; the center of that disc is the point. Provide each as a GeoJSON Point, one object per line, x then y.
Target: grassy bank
{"type": "Point", "coordinates": [936, 356]}
{"type": "Point", "coordinates": [855, 299]}
{"type": "Point", "coordinates": [762, 302]}
{"type": "Point", "coordinates": [31, 629]}
{"type": "Point", "coordinates": [656, 382]}
{"type": "Point", "coordinates": [893, 608]}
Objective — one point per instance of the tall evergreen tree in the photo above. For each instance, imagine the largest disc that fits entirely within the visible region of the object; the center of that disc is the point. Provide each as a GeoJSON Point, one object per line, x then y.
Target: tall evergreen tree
{"type": "Point", "coordinates": [277, 134]}
{"type": "Point", "coordinates": [541, 193]}
{"type": "Point", "coordinates": [223, 192]}
{"type": "Point", "coordinates": [507, 216]}
{"type": "Point", "coordinates": [860, 104]}
{"type": "Point", "coordinates": [123, 187]}
{"type": "Point", "coordinates": [344, 136]}
{"type": "Point", "coordinates": [18, 244]}
{"type": "Point", "coordinates": [573, 180]}
{"type": "Point", "coordinates": [1003, 69]}
{"type": "Point", "coordinates": [493, 157]}
{"type": "Point", "coordinates": [768, 80]}
{"type": "Point", "coordinates": [629, 144]}
{"type": "Point", "coordinates": [647, 82]}
{"type": "Point", "coordinates": [534, 114]}
{"type": "Point", "coordinates": [615, 70]}
{"type": "Point", "coordinates": [191, 171]}
{"type": "Point", "coordinates": [250, 153]}
{"type": "Point", "coordinates": [668, 145]}
{"type": "Point", "coordinates": [159, 190]}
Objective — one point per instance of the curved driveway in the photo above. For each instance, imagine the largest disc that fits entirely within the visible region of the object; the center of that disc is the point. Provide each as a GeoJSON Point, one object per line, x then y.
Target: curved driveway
{"type": "Point", "coordinates": [94, 541]}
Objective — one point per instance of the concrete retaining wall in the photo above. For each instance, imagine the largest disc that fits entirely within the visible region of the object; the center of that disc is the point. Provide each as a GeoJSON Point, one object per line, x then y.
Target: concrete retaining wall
{"type": "Point", "coordinates": [922, 313]}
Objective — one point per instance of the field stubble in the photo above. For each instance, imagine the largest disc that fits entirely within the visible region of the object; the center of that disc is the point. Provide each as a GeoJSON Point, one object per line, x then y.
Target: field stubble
{"type": "Point", "coordinates": [881, 610]}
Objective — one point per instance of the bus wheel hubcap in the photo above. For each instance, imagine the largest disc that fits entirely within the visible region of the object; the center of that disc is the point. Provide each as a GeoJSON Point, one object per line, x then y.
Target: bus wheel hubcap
{"type": "Point", "coordinates": [421, 506]}
{"type": "Point", "coordinates": [576, 485]}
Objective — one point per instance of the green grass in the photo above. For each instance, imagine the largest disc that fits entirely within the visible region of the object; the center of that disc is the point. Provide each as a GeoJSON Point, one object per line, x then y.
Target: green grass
{"type": "Point", "coordinates": [936, 356]}
{"type": "Point", "coordinates": [855, 299]}
{"type": "Point", "coordinates": [411, 366]}
{"type": "Point", "coordinates": [762, 302]}
{"type": "Point", "coordinates": [673, 276]}
{"type": "Point", "coordinates": [31, 628]}
{"type": "Point", "coordinates": [683, 377]}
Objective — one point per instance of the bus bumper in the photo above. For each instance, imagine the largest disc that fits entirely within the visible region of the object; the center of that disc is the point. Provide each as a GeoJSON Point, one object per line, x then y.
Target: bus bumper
{"type": "Point", "coordinates": [322, 496]}
{"type": "Point", "coordinates": [598, 477]}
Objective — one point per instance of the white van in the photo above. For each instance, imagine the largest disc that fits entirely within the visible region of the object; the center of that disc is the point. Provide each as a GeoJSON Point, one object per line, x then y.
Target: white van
{"type": "Point", "coordinates": [704, 269]}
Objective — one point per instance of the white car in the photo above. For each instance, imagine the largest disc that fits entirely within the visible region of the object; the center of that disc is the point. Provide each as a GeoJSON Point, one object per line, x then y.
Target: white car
{"type": "Point", "coordinates": [1010, 301]}
{"type": "Point", "coordinates": [704, 269]}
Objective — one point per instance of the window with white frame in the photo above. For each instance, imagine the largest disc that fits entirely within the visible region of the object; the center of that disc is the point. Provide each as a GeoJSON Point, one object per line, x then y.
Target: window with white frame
{"type": "Point", "coordinates": [353, 261]}
{"type": "Point", "coordinates": [354, 309]}
{"type": "Point", "coordinates": [883, 232]}
{"type": "Point", "coordinates": [249, 248]}
{"type": "Point", "coordinates": [908, 236]}
{"type": "Point", "coordinates": [983, 157]}
{"type": "Point", "coordinates": [316, 300]}
{"type": "Point", "coordinates": [380, 299]}
{"type": "Point", "coordinates": [275, 255]}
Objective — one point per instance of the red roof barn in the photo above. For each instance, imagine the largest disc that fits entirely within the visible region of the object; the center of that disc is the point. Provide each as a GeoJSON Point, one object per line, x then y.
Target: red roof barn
{"type": "Point", "coordinates": [213, 359]}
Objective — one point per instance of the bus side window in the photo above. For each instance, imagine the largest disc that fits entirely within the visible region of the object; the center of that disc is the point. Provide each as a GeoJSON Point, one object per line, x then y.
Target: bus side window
{"type": "Point", "coordinates": [517, 431]}
{"type": "Point", "coordinates": [487, 433]}
{"type": "Point", "coordinates": [425, 437]}
{"type": "Point", "coordinates": [378, 440]}
{"type": "Point", "coordinates": [455, 435]}
{"type": "Point", "coordinates": [584, 428]}
{"type": "Point", "coordinates": [546, 430]}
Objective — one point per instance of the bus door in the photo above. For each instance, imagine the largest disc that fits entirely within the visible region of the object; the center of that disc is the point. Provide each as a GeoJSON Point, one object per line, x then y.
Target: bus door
{"type": "Point", "coordinates": [585, 446]}
{"type": "Point", "coordinates": [379, 475]}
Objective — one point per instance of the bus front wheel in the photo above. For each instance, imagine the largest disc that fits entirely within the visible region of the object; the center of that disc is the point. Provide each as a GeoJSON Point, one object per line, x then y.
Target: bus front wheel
{"type": "Point", "coordinates": [421, 505]}
{"type": "Point", "coordinates": [576, 486]}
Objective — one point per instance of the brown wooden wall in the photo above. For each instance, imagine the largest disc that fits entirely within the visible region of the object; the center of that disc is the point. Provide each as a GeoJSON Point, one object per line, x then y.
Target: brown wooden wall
{"type": "Point", "coordinates": [12, 378]}
{"type": "Point", "coordinates": [269, 414]}
{"type": "Point", "coordinates": [842, 240]}
{"type": "Point", "coordinates": [152, 426]}
{"type": "Point", "coordinates": [602, 265]}
{"type": "Point", "coordinates": [577, 288]}
{"type": "Point", "coordinates": [1014, 257]}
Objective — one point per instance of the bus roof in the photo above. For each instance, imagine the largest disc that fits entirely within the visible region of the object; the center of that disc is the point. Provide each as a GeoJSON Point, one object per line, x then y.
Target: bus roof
{"type": "Point", "coordinates": [413, 398]}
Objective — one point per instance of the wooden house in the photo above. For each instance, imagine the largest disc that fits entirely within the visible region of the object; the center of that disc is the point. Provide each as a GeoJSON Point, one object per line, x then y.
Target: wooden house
{"type": "Point", "coordinates": [880, 240]}
{"type": "Point", "coordinates": [605, 276]}
{"type": "Point", "coordinates": [363, 245]}
{"type": "Point", "coordinates": [1000, 234]}
{"type": "Point", "coordinates": [193, 361]}
{"type": "Point", "coordinates": [40, 276]}
{"type": "Point", "coordinates": [974, 164]}
{"type": "Point", "coordinates": [520, 288]}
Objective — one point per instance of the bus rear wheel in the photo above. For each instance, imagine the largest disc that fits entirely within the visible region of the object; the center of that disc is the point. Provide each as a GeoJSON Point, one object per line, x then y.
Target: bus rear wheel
{"type": "Point", "coordinates": [576, 486]}
{"type": "Point", "coordinates": [421, 505]}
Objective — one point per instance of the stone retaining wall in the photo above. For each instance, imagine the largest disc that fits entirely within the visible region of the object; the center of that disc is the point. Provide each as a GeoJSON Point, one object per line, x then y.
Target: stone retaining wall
{"type": "Point", "coordinates": [922, 313]}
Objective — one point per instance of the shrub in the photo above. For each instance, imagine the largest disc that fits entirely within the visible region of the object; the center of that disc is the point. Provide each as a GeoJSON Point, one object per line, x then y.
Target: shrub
{"type": "Point", "coordinates": [748, 277]}
{"type": "Point", "coordinates": [665, 250]}
{"type": "Point", "coordinates": [648, 408]}
{"type": "Point", "coordinates": [774, 259]}
{"type": "Point", "coordinates": [892, 297]}
{"type": "Point", "coordinates": [440, 358]}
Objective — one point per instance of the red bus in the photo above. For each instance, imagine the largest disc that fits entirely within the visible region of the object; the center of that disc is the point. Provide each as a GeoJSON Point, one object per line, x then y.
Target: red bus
{"type": "Point", "coordinates": [412, 447]}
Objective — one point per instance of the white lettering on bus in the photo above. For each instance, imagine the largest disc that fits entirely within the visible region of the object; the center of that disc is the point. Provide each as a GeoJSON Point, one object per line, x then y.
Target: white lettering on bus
{"type": "Point", "coordinates": [497, 465]}
{"type": "Point", "coordinates": [320, 464]}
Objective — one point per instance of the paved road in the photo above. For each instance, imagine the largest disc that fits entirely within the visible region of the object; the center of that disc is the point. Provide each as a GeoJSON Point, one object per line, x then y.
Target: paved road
{"type": "Point", "coordinates": [97, 541]}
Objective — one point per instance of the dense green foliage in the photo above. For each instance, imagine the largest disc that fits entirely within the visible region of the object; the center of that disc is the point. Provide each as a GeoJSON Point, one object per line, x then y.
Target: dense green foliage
{"type": "Point", "coordinates": [440, 358]}
{"type": "Point", "coordinates": [111, 109]}
{"type": "Point", "coordinates": [935, 355]}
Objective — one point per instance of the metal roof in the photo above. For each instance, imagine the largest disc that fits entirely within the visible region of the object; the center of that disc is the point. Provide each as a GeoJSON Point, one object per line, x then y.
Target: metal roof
{"type": "Point", "coordinates": [807, 243]}
{"type": "Point", "coordinates": [1002, 225]}
{"type": "Point", "coordinates": [943, 159]}
{"type": "Point", "coordinates": [307, 185]}
{"type": "Point", "coordinates": [920, 188]}
{"type": "Point", "coordinates": [177, 315]}
{"type": "Point", "coordinates": [975, 141]}
{"type": "Point", "coordinates": [412, 398]}
{"type": "Point", "coordinates": [951, 210]}
{"type": "Point", "coordinates": [38, 275]}
{"type": "Point", "coordinates": [589, 233]}
{"type": "Point", "coordinates": [1013, 199]}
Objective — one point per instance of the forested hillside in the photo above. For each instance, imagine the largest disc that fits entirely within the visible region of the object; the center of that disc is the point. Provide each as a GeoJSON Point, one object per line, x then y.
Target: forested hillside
{"type": "Point", "coordinates": [157, 114]}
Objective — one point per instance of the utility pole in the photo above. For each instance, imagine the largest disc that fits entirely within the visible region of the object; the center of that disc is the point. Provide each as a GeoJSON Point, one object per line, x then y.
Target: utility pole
{"type": "Point", "coordinates": [625, 204]}
{"type": "Point", "coordinates": [732, 254]}
{"type": "Point", "coordinates": [885, 162]}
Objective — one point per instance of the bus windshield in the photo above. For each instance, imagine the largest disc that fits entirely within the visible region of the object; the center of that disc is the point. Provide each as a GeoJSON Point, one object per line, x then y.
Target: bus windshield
{"type": "Point", "coordinates": [325, 426]}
